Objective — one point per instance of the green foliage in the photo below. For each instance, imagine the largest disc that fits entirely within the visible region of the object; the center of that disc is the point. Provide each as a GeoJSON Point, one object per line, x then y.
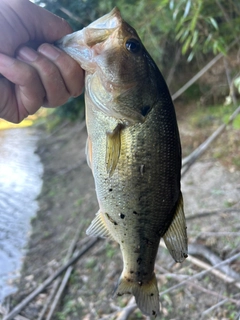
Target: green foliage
{"type": "Point", "coordinates": [72, 110]}
{"type": "Point", "coordinates": [204, 26]}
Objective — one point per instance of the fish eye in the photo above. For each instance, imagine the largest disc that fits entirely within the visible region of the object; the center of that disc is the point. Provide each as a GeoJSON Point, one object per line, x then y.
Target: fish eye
{"type": "Point", "coordinates": [133, 45]}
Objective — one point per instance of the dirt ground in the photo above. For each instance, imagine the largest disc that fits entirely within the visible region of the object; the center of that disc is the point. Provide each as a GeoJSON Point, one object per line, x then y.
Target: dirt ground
{"type": "Point", "coordinates": [68, 202]}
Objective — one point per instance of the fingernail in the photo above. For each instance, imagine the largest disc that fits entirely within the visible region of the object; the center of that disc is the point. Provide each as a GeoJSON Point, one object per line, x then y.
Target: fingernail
{"type": "Point", "coordinates": [49, 51]}
{"type": "Point", "coordinates": [27, 54]}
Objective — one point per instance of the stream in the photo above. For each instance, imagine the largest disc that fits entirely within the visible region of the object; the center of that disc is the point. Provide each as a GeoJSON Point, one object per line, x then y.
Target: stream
{"type": "Point", "coordinates": [20, 184]}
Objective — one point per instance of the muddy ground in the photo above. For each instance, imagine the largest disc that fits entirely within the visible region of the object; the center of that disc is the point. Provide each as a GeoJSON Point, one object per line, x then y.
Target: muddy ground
{"type": "Point", "coordinates": [68, 202]}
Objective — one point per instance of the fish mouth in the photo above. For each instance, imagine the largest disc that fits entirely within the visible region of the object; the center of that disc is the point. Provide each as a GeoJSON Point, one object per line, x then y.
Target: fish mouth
{"type": "Point", "coordinates": [96, 32]}
{"type": "Point", "coordinates": [111, 20]}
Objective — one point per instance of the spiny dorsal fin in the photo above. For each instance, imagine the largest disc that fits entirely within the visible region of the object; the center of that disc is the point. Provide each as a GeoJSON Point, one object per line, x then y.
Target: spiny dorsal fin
{"type": "Point", "coordinates": [176, 236]}
{"type": "Point", "coordinates": [113, 149]}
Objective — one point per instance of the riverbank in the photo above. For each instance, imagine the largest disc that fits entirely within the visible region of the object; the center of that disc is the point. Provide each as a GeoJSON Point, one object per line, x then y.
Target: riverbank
{"type": "Point", "coordinates": [68, 201]}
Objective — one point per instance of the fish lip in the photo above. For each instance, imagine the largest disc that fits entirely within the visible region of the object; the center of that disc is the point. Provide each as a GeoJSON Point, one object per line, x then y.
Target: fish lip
{"type": "Point", "coordinates": [101, 29]}
{"type": "Point", "coordinates": [111, 20]}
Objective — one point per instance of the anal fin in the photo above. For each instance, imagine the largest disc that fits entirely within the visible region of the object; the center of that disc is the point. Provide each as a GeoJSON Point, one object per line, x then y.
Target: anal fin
{"type": "Point", "coordinates": [98, 227]}
{"type": "Point", "coordinates": [176, 236]}
{"type": "Point", "coordinates": [113, 148]}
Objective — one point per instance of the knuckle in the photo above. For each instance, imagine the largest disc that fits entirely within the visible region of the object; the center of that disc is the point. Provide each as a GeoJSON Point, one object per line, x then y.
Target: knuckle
{"type": "Point", "coordinates": [48, 69]}
{"type": "Point", "coordinates": [57, 97]}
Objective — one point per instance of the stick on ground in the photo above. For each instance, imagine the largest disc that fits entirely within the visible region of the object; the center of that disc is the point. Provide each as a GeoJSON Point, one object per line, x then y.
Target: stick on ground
{"type": "Point", "coordinates": [92, 242]}
{"type": "Point", "coordinates": [189, 160]}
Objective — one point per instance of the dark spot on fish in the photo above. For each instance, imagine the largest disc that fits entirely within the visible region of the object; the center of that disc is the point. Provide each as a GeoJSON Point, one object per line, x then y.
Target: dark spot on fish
{"type": "Point", "coordinates": [185, 255]}
{"type": "Point", "coordinates": [154, 313]}
{"type": "Point", "coordinates": [139, 261]}
{"type": "Point", "coordinates": [133, 45]}
{"type": "Point", "coordinates": [145, 110]}
{"type": "Point", "coordinates": [148, 242]}
{"type": "Point", "coordinates": [110, 219]}
{"type": "Point", "coordinates": [152, 294]}
{"type": "Point", "coordinates": [140, 283]}
{"type": "Point", "coordinates": [128, 280]}
{"type": "Point", "coordinates": [135, 212]}
{"type": "Point", "coordinates": [121, 215]}
{"type": "Point", "coordinates": [110, 189]}
{"type": "Point", "coordinates": [131, 271]}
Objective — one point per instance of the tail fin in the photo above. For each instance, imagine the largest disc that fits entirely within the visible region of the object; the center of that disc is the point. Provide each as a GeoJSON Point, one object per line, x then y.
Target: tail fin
{"type": "Point", "coordinates": [146, 294]}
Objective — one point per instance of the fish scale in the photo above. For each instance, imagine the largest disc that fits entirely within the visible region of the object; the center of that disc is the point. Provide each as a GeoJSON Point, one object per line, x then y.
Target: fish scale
{"type": "Point", "coordinates": [133, 150]}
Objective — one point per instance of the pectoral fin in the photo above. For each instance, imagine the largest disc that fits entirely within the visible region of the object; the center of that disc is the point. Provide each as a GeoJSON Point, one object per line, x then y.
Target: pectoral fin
{"type": "Point", "coordinates": [113, 148]}
{"type": "Point", "coordinates": [176, 236]}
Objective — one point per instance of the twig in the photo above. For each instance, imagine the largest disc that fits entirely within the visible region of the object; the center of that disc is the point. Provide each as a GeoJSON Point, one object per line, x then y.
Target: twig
{"type": "Point", "coordinates": [210, 213]}
{"type": "Point", "coordinates": [59, 293]}
{"type": "Point", "coordinates": [50, 297]}
{"type": "Point", "coordinates": [125, 313]}
{"type": "Point", "coordinates": [217, 273]}
{"type": "Point", "coordinates": [57, 282]}
{"type": "Point", "coordinates": [67, 12]}
{"type": "Point", "coordinates": [180, 277]}
{"type": "Point", "coordinates": [50, 279]}
{"type": "Point", "coordinates": [198, 249]}
{"type": "Point", "coordinates": [189, 160]}
{"type": "Point", "coordinates": [219, 234]}
{"type": "Point", "coordinates": [173, 67]}
{"type": "Point", "coordinates": [218, 265]}
{"type": "Point", "coordinates": [230, 82]}
{"type": "Point", "coordinates": [214, 307]}
{"type": "Point", "coordinates": [21, 318]}
{"type": "Point", "coordinates": [201, 72]}
{"type": "Point", "coordinates": [200, 274]}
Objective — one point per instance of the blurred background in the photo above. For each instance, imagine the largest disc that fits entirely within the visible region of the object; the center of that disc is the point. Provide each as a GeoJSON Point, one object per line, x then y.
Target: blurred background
{"type": "Point", "coordinates": [195, 44]}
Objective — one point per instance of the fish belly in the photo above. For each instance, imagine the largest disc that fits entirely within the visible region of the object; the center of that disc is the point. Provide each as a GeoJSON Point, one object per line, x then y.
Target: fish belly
{"type": "Point", "coordinates": [136, 202]}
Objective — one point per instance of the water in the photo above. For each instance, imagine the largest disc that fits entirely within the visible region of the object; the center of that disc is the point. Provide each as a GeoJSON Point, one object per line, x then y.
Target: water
{"type": "Point", "coordinates": [20, 184]}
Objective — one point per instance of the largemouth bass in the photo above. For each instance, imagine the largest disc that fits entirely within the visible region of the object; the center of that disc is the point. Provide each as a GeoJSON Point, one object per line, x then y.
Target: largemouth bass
{"type": "Point", "coordinates": [133, 150]}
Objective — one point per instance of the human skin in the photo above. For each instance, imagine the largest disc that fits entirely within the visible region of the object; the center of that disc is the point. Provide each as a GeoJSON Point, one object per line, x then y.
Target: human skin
{"type": "Point", "coordinates": [33, 73]}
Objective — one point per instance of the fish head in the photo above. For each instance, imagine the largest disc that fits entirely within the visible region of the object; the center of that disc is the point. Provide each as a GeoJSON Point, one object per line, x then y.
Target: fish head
{"type": "Point", "coordinates": [122, 74]}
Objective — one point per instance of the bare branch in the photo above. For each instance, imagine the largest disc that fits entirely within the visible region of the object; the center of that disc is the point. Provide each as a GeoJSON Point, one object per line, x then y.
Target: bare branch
{"type": "Point", "coordinates": [57, 281]}
{"type": "Point", "coordinates": [128, 310]}
{"type": "Point", "coordinates": [92, 242]}
{"type": "Point", "coordinates": [189, 160]}
{"type": "Point", "coordinates": [214, 307]}
{"type": "Point", "coordinates": [200, 274]}
{"type": "Point", "coordinates": [201, 72]}
{"type": "Point", "coordinates": [211, 213]}
{"type": "Point", "coordinates": [198, 249]}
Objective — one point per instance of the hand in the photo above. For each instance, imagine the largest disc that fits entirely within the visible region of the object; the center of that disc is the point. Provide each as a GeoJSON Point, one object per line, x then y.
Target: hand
{"type": "Point", "coordinates": [32, 78]}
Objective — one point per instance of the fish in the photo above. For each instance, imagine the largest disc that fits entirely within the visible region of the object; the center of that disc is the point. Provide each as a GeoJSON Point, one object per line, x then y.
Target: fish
{"type": "Point", "coordinates": [134, 151]}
